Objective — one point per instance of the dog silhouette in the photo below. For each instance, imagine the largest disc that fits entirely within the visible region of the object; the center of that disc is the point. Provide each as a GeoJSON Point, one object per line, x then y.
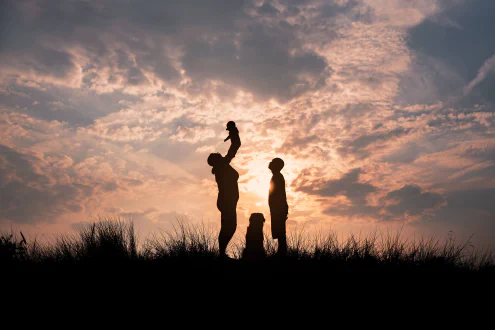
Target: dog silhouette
{"type": "Point", "coordinates": [254, 238]}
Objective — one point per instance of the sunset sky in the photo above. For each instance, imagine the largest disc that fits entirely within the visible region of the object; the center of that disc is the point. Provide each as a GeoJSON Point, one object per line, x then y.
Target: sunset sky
{"type": "Point", "coordinates": [383, 111]}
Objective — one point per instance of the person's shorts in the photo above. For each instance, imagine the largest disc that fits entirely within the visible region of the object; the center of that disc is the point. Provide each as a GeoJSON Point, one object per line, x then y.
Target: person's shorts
{"type": "Point", "coordinates": [278, 225]}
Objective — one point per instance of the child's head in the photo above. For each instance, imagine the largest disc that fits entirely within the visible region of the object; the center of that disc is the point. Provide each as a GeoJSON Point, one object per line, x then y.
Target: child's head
{"type": "Point", "coordinates": [230, 125]}
{"type": "Point", "coordinates": [276, 165]}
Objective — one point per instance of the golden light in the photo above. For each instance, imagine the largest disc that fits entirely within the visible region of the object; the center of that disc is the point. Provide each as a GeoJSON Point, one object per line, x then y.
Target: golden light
{"type": "Point", "coordinates": [258, 181]}
{"type": "Point", "coordinates": [259, 185]}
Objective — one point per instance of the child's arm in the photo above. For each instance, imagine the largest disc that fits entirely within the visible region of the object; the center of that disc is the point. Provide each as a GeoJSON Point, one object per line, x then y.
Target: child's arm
{"type": "Point", "coordinates": [228, 137]}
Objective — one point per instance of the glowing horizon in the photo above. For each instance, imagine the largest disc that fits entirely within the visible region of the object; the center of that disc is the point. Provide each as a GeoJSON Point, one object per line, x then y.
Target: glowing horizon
{"type": "Point", "coordinates": [383, 112]}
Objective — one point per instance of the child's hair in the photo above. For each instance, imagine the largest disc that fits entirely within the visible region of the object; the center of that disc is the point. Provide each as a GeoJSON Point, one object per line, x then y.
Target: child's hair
{"type": "Point", "coordinates": [278, 164]}
{"type": "Point", "coordinates": [230, 125]}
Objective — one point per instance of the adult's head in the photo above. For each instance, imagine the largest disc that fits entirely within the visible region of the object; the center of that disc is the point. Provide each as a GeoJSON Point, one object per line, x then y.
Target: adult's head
{"type": "Point", "coordinates": [214, 159]}
{"type": "Point", "coordinates": [276, 165]}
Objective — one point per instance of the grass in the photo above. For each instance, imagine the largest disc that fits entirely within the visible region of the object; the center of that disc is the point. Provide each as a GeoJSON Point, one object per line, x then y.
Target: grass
{"type": "Point", "coordinates": [112, 243]}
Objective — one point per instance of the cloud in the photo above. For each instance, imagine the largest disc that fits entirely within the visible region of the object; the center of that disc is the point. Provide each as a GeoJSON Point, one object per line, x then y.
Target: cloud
{"type": "Point", "coordinates": [407, 203]}
{"type": "Point", "coordinates": [411, 201]}
{"type": "Point", "coordinates": [49, 170]}
{"type": "Point", "coordinates": [437, 40]}
{"type": "Point", "coordinates": [469, 213]}
{"type": "Point", "coordinates": [30, 195]}
{"type": "Point", "coordinates": [192, 135]}
{"type": "Point", "coordinates": [487, 68]}
{"type": "Point", "coordinates": [462, 203]}
{"type": "Point", "coordinates": [358, 146]}
{"type": "Point", "coordinates": [260, 61]}
{"type": "Point", "coordinates": [403, 13]}
{"type": "Point", "coordinates": [47, 65]}
{"type": "Point", "coordinates": [348, 186]}
{"type": "Point", "coordinates": [20, 129]}
{"type": "Point", "coordinates": [130, 125]}
{"type": "Point", "coordinates": [108, 46]}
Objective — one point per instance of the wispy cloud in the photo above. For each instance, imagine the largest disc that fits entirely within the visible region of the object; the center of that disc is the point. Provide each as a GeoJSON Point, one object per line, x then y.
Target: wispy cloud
{"type": "Point", "coordinates": [487, 68]}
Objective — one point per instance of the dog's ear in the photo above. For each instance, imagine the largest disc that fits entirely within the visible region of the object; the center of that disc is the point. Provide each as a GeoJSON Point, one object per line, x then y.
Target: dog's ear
{"type": "Point", "coordinates": [257, 217]}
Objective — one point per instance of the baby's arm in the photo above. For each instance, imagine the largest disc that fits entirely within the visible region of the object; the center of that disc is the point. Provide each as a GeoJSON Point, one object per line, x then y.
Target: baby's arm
{"type": "Point", "coordinates": [228, 137]}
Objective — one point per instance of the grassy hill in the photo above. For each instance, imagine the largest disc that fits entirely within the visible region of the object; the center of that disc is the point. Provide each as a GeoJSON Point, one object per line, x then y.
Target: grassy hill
{"type": "Point", "coordinates": [191, 250]}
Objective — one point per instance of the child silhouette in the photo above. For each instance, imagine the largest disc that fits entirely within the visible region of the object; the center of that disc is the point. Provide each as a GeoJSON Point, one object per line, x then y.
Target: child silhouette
{"type": "Point", "coordinates": [279, 209]}
{"type": "Point", "coordinates": [235, 141]}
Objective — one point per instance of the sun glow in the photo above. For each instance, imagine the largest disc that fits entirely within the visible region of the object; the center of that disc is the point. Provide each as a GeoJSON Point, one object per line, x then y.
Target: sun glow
{"type": "Point", "coordinates": [258, 180]}
{"type": "Point", "coordinates": [259, 185]}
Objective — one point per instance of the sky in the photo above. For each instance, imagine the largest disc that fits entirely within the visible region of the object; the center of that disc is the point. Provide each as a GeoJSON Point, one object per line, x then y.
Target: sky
{"type": "Point", "coordinates": [383, 111]}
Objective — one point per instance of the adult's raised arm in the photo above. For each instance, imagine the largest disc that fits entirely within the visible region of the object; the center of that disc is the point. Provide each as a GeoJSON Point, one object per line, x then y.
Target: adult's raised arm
{"type": "Point", "coordinates": [228, 158]}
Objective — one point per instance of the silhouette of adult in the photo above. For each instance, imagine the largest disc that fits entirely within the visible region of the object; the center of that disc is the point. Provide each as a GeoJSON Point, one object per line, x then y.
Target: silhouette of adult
{"type": "Point", "coordinates": [228, 196]}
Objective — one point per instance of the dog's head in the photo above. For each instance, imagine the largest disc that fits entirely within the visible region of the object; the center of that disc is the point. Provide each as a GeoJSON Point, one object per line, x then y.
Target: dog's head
{"type": "Point", "coordinates": [256, 220]}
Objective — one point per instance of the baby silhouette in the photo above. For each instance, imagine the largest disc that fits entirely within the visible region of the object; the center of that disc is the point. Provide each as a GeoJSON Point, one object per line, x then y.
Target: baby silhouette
{"type": "Point", "coordinates": [235, 141]}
